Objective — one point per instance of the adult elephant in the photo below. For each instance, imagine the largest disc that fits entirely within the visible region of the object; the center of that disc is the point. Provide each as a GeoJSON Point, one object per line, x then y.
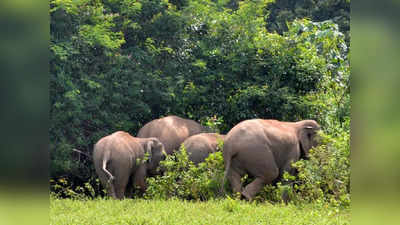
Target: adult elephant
{"type": "Point", "coordinates": [264, 149]}
{"type": "Point", "coordinates": [171, 131]}
{"type": "Point", "coordinates": [199, 146]}
{"type": "Point", "coordinates": [122, 161]}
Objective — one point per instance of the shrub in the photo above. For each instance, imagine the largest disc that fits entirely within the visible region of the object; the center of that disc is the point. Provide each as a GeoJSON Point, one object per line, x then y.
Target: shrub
{"type": "Point", "coordinates": [214, 123]}
{"type": "Point", "coordinates": [185, 180]}
{"type": "Point", "coordinates": [63, 188]}
{"type": "Point", "coordinates": [327, 174]}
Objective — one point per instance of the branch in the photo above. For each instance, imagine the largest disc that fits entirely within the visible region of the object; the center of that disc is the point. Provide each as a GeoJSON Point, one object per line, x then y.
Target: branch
{"type": "Point", "coordinates": [83, 153]}
{"type": "Point", "coordinates": [344, 93]}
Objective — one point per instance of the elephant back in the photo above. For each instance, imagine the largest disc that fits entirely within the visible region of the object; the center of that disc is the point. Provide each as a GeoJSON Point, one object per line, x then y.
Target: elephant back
{"type": "Point", "coordinates": [201, 145]}
{"type": "Point", "coordinates": [171, 131]}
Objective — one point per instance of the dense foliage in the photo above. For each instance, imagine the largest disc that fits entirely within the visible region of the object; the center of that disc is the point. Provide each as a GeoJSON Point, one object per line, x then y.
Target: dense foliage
{"type": "Point", "coordinates": [283, 11]}
{"type": "Point", "coordinates": [117, 64]}
{"type": "Point", "coordinates": [185, 180]}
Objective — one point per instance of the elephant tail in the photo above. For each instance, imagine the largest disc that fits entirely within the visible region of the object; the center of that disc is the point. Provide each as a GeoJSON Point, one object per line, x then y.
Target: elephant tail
{"type": "Point", "coordinates": [106, 158]}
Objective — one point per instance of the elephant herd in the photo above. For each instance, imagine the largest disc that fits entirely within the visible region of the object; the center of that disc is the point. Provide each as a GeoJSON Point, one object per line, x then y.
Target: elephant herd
{"type": "Point", "coordinates": [263, 149]}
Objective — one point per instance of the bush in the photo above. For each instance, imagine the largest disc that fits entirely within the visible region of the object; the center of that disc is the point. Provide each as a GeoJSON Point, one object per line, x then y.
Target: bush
{"type": "Point", "coordinates": [214, 123]}
{"type": "Point", "coordinates": [63, 188]}
{"type": "Point", "coordinates": [327, 174]}
{"type": "Point", "coordinates": [183, 179]}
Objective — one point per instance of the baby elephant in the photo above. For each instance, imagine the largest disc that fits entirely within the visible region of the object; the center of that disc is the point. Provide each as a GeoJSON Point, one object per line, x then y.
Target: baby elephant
{"type": "Point", "coordinates": [199, 146]}
{"type": "Point", "coordinates": [122, 161]}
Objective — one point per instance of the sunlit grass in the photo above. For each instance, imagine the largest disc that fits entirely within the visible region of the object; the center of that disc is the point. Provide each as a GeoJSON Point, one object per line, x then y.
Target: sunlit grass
{"type": "Point", "coordinates": [227, 211]}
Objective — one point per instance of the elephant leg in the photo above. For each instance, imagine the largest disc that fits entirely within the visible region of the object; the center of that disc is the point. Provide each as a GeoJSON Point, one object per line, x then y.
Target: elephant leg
{"type": "Point", "coordinates": [234, 179]}
{"type": "Point", "coordinates": [111, 190]}
{"type": "Point", "coordinates": [292, 171]}
{"type": "Point", "coordinates": [140, 178]}
{"type": "Point", "coordinates": [129, 188]}
{"type": "Point", "coordinates": [109, 186]}
{"type": "Point", "coordinates": [264, 174]}
{"type": "Point", "coordinates": [253, 188]}
{"type": "Point", "coordinates": [122, 178]}
{"type": "Point", "coordinates": [120, 186]}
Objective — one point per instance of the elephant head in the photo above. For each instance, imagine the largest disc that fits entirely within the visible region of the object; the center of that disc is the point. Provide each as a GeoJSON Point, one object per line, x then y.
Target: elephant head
{"type": "Point", "coordinates": [156, 152]}
{"type": "Point", "coordinates": [307, 134]}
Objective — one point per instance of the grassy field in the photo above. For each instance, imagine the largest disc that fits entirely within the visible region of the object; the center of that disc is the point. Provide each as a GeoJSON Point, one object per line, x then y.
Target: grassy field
{"type": "Point", "coordinates": [227, 211]}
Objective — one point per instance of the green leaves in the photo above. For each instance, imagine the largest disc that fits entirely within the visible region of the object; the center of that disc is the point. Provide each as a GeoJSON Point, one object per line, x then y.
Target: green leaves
{"type": "Point", "coordinates": [282, 12]}
{"type": "Point", "coordinates": [327, 174]}
{"type": "Point", "coordinates": [101, 35]}
{"type": "Point", "coordinates": [131, 8]}
{"type": "Point", "coordinates": [185, 180]}
{"type": "Point", "coordinates": [70, 6]}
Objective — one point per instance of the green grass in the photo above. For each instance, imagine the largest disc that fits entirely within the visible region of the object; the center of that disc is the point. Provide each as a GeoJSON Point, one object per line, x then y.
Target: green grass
{"type": "Point", "coordinates": [227, 211]}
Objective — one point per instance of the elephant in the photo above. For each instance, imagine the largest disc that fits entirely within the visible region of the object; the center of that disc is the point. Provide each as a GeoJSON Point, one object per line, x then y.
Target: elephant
{"type": "Point", "coordinates": [171, 131]}
{"type": "Point", "coordinates": [199, 146]}
{"type": "Point", "coordinates": [122, 161]}
{"type": "Point", "coordinates": [265, 149]}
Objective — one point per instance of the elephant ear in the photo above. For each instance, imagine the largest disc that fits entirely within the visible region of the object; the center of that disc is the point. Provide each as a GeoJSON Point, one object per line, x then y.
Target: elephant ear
{"type": "Point", "coordinates": [306, 134]}
{"type": "Point", "coordinates": [149, 147]}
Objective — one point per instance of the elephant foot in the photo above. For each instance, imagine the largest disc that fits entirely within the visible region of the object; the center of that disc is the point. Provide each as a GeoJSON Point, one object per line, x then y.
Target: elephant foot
{"type": "Point", "coordinates": [246, 196]}
{"type": "Point", "coordinates": [285, 197]}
